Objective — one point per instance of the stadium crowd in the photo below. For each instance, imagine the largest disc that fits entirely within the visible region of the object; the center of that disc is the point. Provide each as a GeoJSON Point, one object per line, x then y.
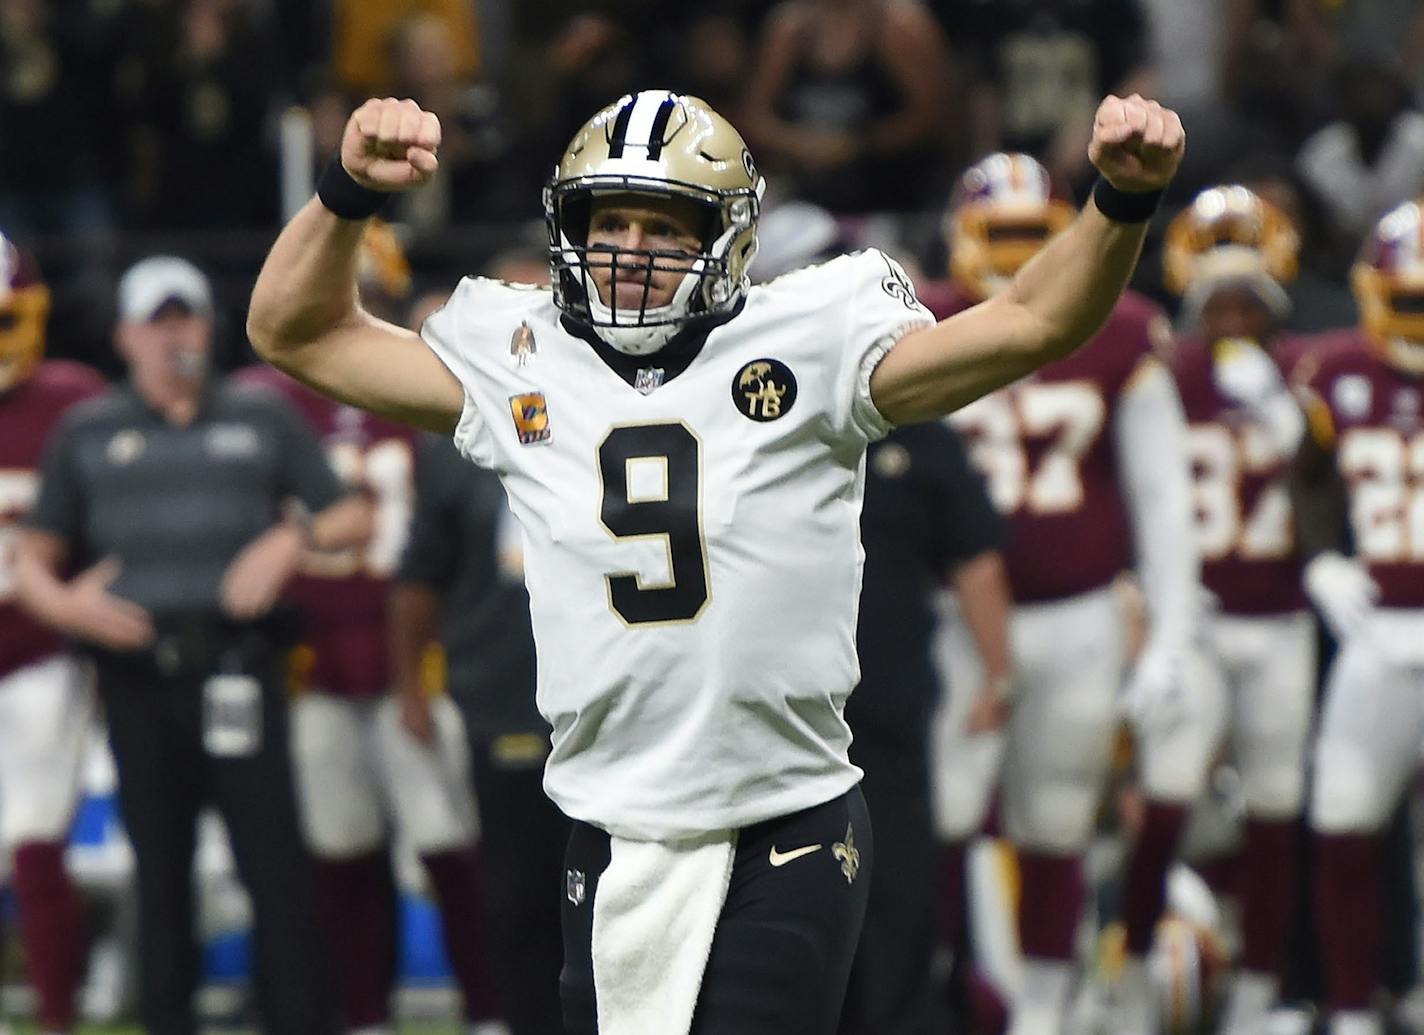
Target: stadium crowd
{"type": "Point", "coordinates": [1142, 686]}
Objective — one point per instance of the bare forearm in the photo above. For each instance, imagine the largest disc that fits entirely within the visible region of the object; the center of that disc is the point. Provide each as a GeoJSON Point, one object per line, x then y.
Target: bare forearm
{"type": "Point", "coordinates": [1068, 289]}
{"type": "Point", "coordinates": [307, 286]}
{"type": "Point", "coordinates": [984, 604]}
{"type": "Point", "coordinates": [1057, 301]}
{"type": "Point", "coordinates": [413, 624]}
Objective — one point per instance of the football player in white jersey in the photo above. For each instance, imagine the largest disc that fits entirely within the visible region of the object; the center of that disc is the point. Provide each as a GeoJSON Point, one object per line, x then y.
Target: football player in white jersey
{"type": "Point", "coordinates": [685, 456]}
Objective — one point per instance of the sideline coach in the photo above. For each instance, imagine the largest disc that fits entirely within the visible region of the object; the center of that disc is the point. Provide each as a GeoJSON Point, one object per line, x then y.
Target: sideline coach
{"type": "Point", "coordinates": [188, 503]}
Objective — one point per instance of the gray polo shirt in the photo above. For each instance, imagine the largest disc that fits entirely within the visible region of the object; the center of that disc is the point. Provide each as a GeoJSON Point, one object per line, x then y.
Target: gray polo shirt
{"type": "Point", "coordinates": [453, 548]}
{"type": "Point", "coordinates": [176, 504]}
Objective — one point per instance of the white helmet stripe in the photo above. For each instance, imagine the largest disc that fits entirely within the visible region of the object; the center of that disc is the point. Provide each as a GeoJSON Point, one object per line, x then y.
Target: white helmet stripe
{"type": "Point", "coordinates": [650, 111]}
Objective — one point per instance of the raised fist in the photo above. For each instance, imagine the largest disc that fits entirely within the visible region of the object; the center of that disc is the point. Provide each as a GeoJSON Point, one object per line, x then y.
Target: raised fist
{"type": "Point", "coordinates": [1137, 144]}
{"type": "Point", "coordinates": [390, 145]}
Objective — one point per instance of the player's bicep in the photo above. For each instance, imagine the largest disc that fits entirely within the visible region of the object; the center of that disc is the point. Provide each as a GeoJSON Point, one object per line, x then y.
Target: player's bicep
{"type": "Point", "coordinates": [936, 370]}
{"type": "Point", "coordinates": [382, 368]}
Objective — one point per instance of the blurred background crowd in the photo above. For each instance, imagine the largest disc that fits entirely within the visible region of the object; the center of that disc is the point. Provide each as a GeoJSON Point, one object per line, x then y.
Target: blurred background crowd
{"type": "Point", "coordinates": [194, 128]}
{"type": "Point", "coordinates": [133, 126]}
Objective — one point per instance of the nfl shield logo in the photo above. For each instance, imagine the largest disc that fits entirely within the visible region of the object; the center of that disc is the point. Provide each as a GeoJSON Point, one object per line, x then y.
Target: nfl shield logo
{"type": "Point", "coordinates": [574, 886]}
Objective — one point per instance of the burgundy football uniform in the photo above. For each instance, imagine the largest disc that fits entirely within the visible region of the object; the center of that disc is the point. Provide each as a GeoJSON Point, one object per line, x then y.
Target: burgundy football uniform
{"type": "Point", "coordinates": [27, 415]}
{"type": "Point", "coordinates": [1372, 415]}
{"type": "Point", "coordinates": [1045, 446]}
{"type": "Point", "coordinates": [1242, 505]}
{"type": "Point", "coordinates": [343, 595]}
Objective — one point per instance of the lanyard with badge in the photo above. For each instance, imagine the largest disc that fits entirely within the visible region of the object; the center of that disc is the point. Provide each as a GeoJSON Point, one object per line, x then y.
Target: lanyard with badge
{"type": "Point", "coordinates": [232, 710]}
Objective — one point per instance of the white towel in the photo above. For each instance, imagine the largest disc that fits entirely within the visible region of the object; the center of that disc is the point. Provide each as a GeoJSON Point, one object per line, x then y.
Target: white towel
{"type": "Point", "coordinates": [654, 915]}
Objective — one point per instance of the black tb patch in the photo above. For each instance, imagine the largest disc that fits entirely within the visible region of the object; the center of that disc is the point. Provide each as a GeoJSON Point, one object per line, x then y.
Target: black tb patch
{"type": "Point", "coordinates": [764, 389]}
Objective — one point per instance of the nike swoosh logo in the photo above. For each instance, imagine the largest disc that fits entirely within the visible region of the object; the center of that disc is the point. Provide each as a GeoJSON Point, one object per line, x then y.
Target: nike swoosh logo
{"type": "Point", "coordinates": [782, 858]}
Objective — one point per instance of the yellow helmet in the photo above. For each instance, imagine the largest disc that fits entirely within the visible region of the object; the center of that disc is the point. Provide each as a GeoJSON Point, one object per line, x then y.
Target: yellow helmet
{"type": "Point", "coordinates": [1230, 235]}
{"type": "Point", "coordinates": [665, 145]}
{"type": "Point", "coordinates": [24, 308]}
{"type": "Point", "coordinates": [1002, 212]}
{"type": "Point", "coordinates": [1388, 282]}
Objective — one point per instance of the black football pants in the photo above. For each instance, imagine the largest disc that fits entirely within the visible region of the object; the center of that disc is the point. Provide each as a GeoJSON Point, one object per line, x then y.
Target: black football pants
{"type": "Point", "coordinates": [782, 951]}
{"type": "Point", "coordinates": [165, 778]}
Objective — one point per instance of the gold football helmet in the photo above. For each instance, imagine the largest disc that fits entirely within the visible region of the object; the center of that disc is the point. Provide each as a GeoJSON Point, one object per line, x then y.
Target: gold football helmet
{"type": "Point", "coordinates": [1002, 212]}
{"type": "Point", "coordinates": [1230, 235]}
{"type": "Point", "coordinates": [666, 145]}
{"type": "Point", "coordinates": [1388, 282]}
{"type": "Point", "coordinates": [24, 308]}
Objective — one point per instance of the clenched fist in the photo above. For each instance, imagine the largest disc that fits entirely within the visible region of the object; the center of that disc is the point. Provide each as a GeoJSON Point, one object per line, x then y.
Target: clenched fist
{"type": "Point", "coordinates": [1137, 144]}
{"type": "Point", "coordinates": [390, 145]}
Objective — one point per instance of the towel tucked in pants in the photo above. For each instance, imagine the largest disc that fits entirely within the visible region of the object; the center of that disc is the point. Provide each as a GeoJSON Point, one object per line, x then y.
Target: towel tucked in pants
{"type": "Point", "coordinates": [785, 937]}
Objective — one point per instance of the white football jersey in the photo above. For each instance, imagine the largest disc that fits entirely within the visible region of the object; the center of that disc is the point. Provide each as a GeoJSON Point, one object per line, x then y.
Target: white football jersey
{"type": "Point", "coordinates": [691, 544]}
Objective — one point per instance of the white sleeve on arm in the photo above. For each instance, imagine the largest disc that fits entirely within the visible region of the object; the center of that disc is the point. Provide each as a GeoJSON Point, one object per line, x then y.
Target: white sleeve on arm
{"type": "Point", "coordinates": [441, 332]}
{"type": "Point", "coordinates": [881, 308]}
{"type": "Point", "coordinates": [1156, 483]}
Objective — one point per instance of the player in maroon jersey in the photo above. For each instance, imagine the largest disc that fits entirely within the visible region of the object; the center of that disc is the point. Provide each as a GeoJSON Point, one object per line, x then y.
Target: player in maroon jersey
{"type": "Point", "coordinates": [1362, 465]}
{"type": "Point", "coordinates": [361, 774]}
{"type": "Point", "coordinates": [1229, 255]}
{"type": "Point", "coordinates": [45, 701]}
{"type": "Point", "coordinates": [1086, 459]}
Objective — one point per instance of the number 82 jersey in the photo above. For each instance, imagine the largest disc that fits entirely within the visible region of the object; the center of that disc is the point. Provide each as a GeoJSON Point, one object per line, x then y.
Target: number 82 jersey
{"type": "Point", "coordinates": [691, 539]}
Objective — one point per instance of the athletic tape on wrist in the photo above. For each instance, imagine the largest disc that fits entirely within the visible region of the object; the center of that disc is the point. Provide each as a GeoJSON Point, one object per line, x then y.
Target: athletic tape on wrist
{"type": "Point", "coordinates": [345, 197]}
{"type": "Point", "coordinates": [1125, 206]}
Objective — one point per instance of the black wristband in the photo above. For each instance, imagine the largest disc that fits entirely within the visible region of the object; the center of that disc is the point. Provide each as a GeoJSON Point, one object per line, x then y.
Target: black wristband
{"type": "Point", "coordinates": [1125, 206]}
{"type": "Point", "coordinates": [345, 197]}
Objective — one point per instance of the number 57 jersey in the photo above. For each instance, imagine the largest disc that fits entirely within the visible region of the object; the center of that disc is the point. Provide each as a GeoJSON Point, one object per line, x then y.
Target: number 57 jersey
{"type": "Point", "coordinates": [691, 538]}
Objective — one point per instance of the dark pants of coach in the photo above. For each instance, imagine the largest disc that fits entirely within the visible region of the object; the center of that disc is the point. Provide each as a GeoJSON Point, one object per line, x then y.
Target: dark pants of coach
{"type": "Point", "coordinates": [202, 719]}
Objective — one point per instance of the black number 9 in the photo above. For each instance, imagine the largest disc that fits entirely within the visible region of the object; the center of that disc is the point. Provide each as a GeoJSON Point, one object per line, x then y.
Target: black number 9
{"type": "Point", "coordinates": [675, 515]}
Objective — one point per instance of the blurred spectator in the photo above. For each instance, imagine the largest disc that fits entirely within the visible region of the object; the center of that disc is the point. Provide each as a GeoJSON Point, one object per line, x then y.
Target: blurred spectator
{"type": "Point", "coordinates": [46, 699]}
{"type": "Point", "coordinates": [54, 95]}
{"type": "Point", "coordinates": [172, 497]}
{"type": "Point", "coordinates": [1371, 157]}
{"type": "Point", "coordinates": [472, 183]}
{"type": "Point", "coordinates": [199, 82]}
{"type": "Point", "coordinates": [1319, 298]}
{"type": "Point", "coordinates": [1330, 30]}
{"type": "Point", "coordinates": [848, 98]}
{"type": "Point", "coordinates": [362, 30]}
{"type": "Point", "coordinates": [712, 55]}
{"type": "Point", "coordinates": [1039, 68]}
{"type": "Point", "coordinates": [461, 584]}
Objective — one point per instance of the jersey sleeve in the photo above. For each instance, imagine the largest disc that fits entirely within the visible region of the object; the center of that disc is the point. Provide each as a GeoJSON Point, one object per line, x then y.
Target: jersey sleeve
{"type": "Point", "coordinates": [431, 550]}
{"type": "Point", "coordinates": [447, 333]}
{"type": "Point", "coordinates": [880, 309]}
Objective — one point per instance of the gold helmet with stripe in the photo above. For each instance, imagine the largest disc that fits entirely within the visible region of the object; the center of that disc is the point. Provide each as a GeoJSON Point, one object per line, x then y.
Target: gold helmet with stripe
{"type": "Point", "coordinates": [664, 145]}
{"type": "Point", "coordinates": [1388, 282]}
{"type": "Point", "coordinates": [1002, 212]}
{"type": "Point", "coordinates": [1230, 236]}
{"type": "Point", "coordinates": [24, 308]}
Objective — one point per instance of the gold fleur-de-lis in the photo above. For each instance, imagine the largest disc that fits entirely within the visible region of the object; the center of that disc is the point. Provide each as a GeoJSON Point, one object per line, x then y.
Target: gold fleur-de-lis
{"type": "Point", "coordinates": [848, 854]}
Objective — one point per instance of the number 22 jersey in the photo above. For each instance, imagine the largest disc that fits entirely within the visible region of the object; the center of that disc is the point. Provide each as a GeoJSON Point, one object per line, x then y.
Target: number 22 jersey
{"type": "Point", "coordinates": [691, 539]}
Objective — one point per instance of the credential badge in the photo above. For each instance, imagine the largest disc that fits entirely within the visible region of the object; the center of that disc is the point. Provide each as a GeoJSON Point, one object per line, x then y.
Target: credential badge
{"type": "Point", "coordinates": [522, 345]}
{"type": "Point", "coordinates": [764, 390]}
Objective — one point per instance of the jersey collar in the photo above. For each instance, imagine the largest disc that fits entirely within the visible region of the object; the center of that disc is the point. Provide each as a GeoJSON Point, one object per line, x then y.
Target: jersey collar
{"type": "Point", "coordinates": [673, 358]}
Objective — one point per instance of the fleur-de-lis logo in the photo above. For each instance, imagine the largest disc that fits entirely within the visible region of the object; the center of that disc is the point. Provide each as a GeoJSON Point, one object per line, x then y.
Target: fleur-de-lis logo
{"type": "Point", "coordinates": [848, 854]}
